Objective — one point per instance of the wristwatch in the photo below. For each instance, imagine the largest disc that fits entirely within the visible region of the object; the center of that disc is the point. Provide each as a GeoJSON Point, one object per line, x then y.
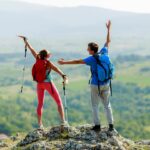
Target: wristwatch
{"type": "Point", "coordinates": [63, 76]}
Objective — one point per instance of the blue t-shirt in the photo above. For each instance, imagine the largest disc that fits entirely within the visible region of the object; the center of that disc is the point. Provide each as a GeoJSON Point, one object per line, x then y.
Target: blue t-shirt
{"type": "Point", "coordinates": [90, 61]}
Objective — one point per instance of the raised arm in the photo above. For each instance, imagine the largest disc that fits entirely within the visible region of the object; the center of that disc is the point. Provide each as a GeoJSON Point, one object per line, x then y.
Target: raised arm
{"type": "Point", "coordinates": [108, 40]}
{"type": "Point", "coordinates": [71, 62]}
{"type": "Point", "coordinates": [34, 53]}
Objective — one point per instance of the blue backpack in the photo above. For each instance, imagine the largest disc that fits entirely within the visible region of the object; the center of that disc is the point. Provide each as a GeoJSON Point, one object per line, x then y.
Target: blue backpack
{"type": "Point", "coordinates": [105, 68]}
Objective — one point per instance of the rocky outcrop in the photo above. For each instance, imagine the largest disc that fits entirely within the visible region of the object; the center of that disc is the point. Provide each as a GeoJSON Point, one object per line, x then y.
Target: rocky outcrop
{"type": "Point", "coordinates": [74, 138]}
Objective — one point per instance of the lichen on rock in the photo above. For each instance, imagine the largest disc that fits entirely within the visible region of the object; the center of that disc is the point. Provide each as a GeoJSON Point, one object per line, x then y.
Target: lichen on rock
{"type": "Point", "coordinates": [72, 138]}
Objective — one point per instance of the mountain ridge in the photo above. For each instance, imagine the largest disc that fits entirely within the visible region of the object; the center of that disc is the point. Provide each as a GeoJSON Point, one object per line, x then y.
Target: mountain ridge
{"type": "Point", "coordinates": [71, 28]}
{"type": "Point", "coordinates": [37, 20]}
{"type": "Point", "coordinates": [99, 7]}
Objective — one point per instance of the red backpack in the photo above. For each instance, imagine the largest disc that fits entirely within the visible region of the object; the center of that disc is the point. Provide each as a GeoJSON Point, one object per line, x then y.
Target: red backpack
{"type": "Point", "coordinates": [39, 70]}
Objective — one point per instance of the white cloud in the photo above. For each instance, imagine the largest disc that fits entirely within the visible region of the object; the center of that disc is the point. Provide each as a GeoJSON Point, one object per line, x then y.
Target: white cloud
{"type": "Point", "coordinates": [142, 6]}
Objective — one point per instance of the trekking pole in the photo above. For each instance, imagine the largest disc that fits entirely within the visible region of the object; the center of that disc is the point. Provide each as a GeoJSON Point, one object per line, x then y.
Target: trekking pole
{"type": "Point", "coordinates": [23, 74]}
{"type": "Point", "coordinates": [66, 108]}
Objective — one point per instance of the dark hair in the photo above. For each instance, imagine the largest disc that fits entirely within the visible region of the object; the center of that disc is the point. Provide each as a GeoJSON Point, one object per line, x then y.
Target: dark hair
{"type": "Point", "coordinates": [43, 54]}
{"type": "Point", "coordinates": [93, 46]}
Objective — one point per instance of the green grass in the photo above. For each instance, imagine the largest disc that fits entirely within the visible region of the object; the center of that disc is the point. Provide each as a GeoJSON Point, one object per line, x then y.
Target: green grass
{"type": "Point", "coordinates": [130, 73]}
{"type": "Point", "coordinates": [139, 80]}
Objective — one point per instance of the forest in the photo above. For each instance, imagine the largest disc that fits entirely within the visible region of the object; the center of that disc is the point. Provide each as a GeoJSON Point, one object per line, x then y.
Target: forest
{"type": "Point", "coordinates": [130, 100]}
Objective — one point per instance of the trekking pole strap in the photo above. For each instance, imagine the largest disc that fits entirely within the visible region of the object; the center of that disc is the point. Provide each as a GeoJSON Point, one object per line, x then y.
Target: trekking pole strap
{"type": "Point", "coordinates": [64, 88]}
{"type": "Point", "coordinates": [110, 87]}
{"type": "Point", "coordinates": [25, 55]}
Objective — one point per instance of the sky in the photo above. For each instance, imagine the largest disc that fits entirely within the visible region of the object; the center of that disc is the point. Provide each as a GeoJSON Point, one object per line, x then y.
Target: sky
{"type": "Point", "coordinates": [139, 6]}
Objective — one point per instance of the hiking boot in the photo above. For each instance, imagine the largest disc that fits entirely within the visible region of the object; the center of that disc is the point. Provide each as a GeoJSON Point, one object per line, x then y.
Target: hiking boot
{"type": "Point", "coordinates": [41, 127]}
{"type": "Point", "coordinates": [112, 131]}
{"type": "Point", "coordinates": [96, 128]}
{"type": "Point", "coordinates": [111, 128]}
{"type": "Point", "coordinates": [64, 123]}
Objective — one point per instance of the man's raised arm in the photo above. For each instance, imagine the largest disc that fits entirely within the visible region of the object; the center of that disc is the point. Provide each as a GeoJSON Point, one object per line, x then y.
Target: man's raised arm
{"type": "Point", "coordinates": [108, 40]}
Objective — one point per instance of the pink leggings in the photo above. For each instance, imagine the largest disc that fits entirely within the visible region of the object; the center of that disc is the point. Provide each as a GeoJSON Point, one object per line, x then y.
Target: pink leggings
{"type": "Point", "coordinates": [52, 90]}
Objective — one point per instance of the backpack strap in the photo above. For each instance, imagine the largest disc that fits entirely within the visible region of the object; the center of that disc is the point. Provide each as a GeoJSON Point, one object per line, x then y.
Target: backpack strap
{"type": "Point", "coordinates": [96, 56]}
{"type": "Point", "coordinates": [99, 92]}
{"type": "Point", "coordinates": [48, 63]}
{"type": "Point", "coordinates": [91, 75]}
{"type": "Point", "coordinates": [98, 62]}
{"type": "Point", "coordinates": [110, 87]}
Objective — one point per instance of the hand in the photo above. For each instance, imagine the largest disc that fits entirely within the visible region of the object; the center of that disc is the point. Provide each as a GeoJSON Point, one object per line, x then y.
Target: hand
{"type": "Point", "coordinates": [23, 37]}
{"type": "Point", "coordinates": [61, 62]}
{"type": "Point", "coordinates": [108, 24]}
{"type": "Point", "coordinates": [65, 79]}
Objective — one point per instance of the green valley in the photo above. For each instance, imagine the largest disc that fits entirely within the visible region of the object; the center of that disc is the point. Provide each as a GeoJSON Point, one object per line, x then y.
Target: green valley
{"type": "Point", "coordinates": [130, 100]}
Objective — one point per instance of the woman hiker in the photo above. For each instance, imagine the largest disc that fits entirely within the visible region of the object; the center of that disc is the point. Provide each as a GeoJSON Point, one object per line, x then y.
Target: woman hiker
{"type": "Point", "coordinates": [41, 74]}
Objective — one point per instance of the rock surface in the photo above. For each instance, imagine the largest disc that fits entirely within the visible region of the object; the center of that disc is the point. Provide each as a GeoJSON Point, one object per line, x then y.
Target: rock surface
{"type": "Point", "coordinates": [3, 136]}
{"type": "Point", "coordinates": [73, 138]}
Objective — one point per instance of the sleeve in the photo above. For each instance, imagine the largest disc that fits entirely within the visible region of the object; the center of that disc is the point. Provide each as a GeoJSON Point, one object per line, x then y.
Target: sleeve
{"type": "Point", "coordinates": [104, 50]}
{"type": "Point", "coordinates": [88, 61]}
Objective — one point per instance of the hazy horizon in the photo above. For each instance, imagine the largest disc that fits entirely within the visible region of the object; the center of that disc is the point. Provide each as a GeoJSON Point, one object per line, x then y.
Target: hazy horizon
{"type": "Point", "coordinates": [70, 28]}
{"type": "Point", "coordinates": [124, 5]}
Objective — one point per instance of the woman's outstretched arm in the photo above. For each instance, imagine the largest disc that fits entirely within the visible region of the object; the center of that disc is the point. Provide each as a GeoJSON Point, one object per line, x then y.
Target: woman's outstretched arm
{"type": "Point", "coordinates": [34, 53]}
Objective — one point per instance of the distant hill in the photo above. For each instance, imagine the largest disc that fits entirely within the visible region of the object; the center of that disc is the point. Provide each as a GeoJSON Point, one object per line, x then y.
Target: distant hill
{"type": "Point", "coordinates": [38, 20]}
{"type": "Point", "coordinates": [71, 28]}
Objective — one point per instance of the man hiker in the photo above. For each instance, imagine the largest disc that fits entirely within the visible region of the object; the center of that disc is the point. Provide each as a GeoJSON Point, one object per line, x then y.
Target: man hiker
{"type": "Point", "coordinates": [100, 90]}
{"type": "Point", "coordinates": [41, 74]}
